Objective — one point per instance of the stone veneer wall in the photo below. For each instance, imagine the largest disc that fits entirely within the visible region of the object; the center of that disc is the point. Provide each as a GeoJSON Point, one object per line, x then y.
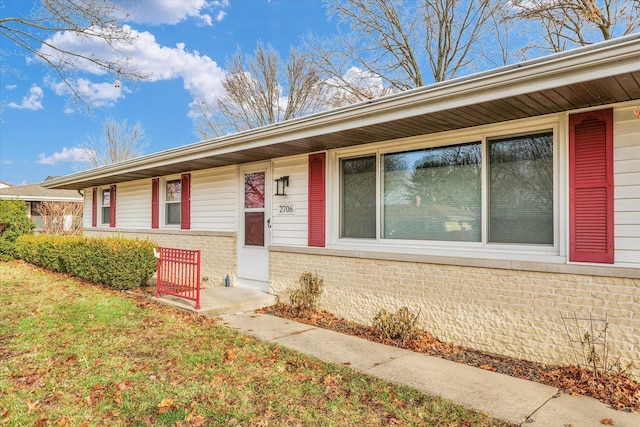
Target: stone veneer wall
{"type": "Point", "coordinates": [218, 250]}
{"type": "Point", "coordinates": [510, 312]}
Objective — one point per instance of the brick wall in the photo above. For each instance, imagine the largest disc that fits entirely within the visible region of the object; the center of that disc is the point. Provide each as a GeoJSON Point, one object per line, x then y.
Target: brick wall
{"type": "Point", "coordinates": [218, 250]}
{"type": "Point", "coordinates": [510, 312]}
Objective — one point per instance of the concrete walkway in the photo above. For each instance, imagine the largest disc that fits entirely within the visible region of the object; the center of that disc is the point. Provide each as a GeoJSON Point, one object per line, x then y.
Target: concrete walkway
{"type": "Point", "coordinates": [502, 396]}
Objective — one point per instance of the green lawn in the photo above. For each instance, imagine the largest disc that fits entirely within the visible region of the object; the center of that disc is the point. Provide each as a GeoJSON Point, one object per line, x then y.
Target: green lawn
{"type": "Point", "coordinates": [76, 354]}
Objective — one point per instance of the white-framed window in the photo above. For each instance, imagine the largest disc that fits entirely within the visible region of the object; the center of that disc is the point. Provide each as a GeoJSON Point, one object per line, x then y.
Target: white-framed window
{"type": "Point", "coordinates": [521, 189]}
{"type": "Point", "coordinates": [497, 189]}
{"type": "Point", "coordinates": [358, 197]}
{"type": "Point", "coordinates": [433, 193]}
{"type": "Point", "coordinates": [172, 198]}
{"type": "Point", "coordinates": [105, 206]}
{"type": "Point", "coordinates": [36, 215]}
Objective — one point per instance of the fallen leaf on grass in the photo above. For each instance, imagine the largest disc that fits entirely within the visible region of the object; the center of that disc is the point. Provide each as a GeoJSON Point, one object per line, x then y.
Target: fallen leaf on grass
{"type": "Point", "coordinates": [123, 385]}
{"type": "Point", "coordinates": [229, 355]}
{"type": "Point", "coordinates": [195, 420]}
{"type": "Point", "coordinates": [488, 368]}
{"type": "Point", "coordinates": [32, 406]}
{"type": "Point", "coordinates": [607, 421]}
{"type": "Point", "coordinates": [166, 405]}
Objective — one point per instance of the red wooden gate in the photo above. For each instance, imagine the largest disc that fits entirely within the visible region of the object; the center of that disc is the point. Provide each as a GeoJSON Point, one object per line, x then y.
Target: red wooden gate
{"type": "Point", "coordinates": [179, 274]}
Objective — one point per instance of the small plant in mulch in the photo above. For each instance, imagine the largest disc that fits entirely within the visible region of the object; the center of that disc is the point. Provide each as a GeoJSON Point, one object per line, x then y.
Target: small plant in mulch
{"type": "Point", "coordinates": [306, 296]}
{"type": "Point", "coordinates": [400, 325]}
{"type": "Point", "coordinates": [589, 341]}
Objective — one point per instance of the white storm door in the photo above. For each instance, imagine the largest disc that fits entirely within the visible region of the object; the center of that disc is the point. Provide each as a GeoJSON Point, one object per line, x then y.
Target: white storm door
{"type": "Point", "coordinates": [253, 226]}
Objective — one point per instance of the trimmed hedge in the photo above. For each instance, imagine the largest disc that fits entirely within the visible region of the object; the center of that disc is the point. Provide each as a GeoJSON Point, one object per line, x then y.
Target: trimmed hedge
{"type": "Point", "coordinates": [115, 261]}
{"type": "Point", "coordinates": [14, 222]}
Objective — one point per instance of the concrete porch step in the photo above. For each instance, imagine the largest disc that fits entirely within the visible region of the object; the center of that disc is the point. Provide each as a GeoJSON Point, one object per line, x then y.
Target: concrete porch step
{"type": "Point", "coordinates": [222, 301]}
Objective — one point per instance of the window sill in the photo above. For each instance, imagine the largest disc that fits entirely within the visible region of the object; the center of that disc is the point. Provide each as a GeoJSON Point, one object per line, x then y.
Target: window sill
{"type": "Point", "coordinates": [551, 264]}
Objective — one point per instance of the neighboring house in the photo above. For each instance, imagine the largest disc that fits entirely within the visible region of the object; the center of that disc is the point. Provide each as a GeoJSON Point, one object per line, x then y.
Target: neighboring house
{"type": "Point", "coordinates": [34, 195]}
{"type": "Point", "coordinates": [498, 205]}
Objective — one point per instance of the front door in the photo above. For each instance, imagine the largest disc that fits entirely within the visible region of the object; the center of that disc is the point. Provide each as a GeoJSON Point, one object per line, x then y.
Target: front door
{"type": "Point", "coordinates": [253, 227]}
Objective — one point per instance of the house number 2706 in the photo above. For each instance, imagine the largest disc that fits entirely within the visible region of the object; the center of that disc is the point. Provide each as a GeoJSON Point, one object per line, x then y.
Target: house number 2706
{"type": "Point", "coordinates": [286, 209]}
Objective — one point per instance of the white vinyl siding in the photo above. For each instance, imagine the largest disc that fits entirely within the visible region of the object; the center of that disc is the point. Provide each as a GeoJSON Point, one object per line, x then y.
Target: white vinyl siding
{"type": "Point", "coordinates": [213, 199]}
{"type": "Point", "coordinates": [87, 207]}
{"type": "Point", "coordinates": [291, 229]}
{"type": "Point", "coordinates": [626, 155]}
{"type": "Point", "coordinates": [133, 204]}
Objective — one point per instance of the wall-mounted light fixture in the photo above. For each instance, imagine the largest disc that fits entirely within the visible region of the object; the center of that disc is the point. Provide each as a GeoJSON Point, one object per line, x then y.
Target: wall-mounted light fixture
{"type": "Point", "coordinates": [281, 184]}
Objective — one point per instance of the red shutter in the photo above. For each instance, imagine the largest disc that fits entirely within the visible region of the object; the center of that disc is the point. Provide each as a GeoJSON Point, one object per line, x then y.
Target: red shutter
{"type": "Point", "coordinates": [155, 202]}
{"type": "Point", "coordinates": [185, 201]}
{"type": "Point", "coordinates": [591, 187]}
{"type": "Point", "coordinates": [94, 207]}
{"type": "Point", "coordinates": [317, 200]}
{"type": "Point", "coordinates": [112, 206]}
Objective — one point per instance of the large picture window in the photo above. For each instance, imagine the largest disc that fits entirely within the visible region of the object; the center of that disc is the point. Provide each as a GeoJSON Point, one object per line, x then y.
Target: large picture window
{"type": "Point", "coordinates": [521, 189]}
{"type": "Point", "coordinates": [433, 194]}
{"type": "Point", "coordinates": [172, 202]}
{"type": "Point", "coordinates": [358, 177]}
{"type": "Point", "coordinates": [493, 191]}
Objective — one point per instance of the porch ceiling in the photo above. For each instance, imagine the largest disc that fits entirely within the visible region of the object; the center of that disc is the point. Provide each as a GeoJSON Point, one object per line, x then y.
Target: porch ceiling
{"type": "Point", "coordinates": [593, 93]}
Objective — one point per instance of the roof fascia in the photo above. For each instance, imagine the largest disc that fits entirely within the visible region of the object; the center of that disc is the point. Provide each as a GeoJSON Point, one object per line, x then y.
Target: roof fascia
{"type": "Point", "coordinates": [41, 199]}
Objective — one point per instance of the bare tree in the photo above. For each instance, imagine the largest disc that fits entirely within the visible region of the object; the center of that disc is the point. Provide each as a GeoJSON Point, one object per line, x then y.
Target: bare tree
{"type": "Point", "coordinates": [406, 44]}
{"type": "Point", "coordinates": [99, 20]}
{"type": "Point", "coordinates": [383, 40]}
{"type": "Point", "coordinates": [61, 218]}
{"type": "Point", "coordinates": [454, 33]}
{"type": "Point", "coordinates": [563, 24]}
{"type": "Point", "coordinates": [120, 141]}
{"type": "Point", "coordinates": [260, 90]}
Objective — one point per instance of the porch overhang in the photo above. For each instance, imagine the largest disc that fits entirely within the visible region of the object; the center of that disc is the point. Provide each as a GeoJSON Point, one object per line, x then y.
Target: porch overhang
{"type": "Point", "coordinates": [589, 77]}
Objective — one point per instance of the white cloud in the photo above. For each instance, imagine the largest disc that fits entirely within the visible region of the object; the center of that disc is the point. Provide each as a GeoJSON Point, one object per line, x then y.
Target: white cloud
{"type": "Point", "coordinates": [363, 79]}
{"type": "Point", "coordinates": [11, 87]}
{"type": "Point", "coordinates": [74, 154]}
{"type": "Point", "coordinates": [33, 101]}
{"type": "Point", "coordinates": [369, 84]}
{"type": "Point", "coordinates": [220, 15]}
{"type": "Point", "coordinates": [174, 11]}
{"type": "Point", "coordinates": [96, 94]}
{"type": "Point", "coordinates": [201, 75]}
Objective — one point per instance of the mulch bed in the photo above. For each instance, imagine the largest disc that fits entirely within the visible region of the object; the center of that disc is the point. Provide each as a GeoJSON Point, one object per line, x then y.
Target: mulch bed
{"type": "Point", "coordinates": [618, 390]}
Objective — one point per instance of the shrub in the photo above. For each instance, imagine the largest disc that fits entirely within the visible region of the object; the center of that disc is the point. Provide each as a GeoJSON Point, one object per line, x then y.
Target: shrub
{"type": "Point", "coordinates": [307, 295]}
{"type": "Point", "coordinates": [116, 262]}
{"type": "Point", "coordinates": [14, 223]}
{"type": "Point", "coordinates": [400, 325]}
{"type": "Point", "coordinates": [7, 250]}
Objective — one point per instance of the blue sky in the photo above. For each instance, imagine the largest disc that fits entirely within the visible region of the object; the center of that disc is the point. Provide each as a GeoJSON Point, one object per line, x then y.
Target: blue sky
{"type": "Point", "coordinates": [182, 43]}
